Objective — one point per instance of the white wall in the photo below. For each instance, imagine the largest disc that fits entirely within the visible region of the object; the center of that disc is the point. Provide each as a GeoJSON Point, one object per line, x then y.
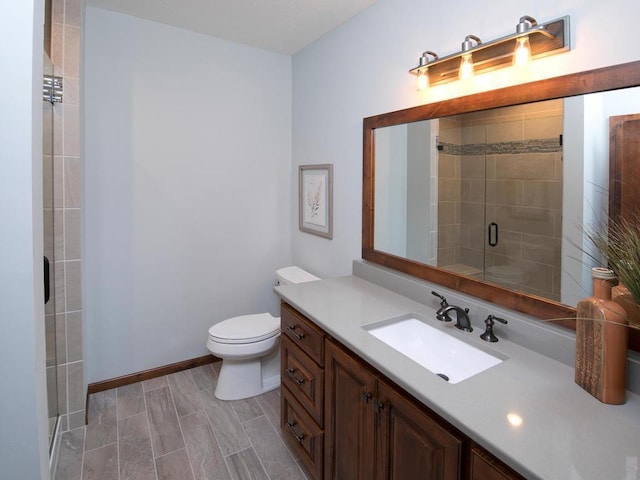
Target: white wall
{"type": "Point", "coordinates": [187, 188]}
{"type": "Point", "coordinates": [360, 69]}
{"type": "Point", "coordinates": [23, 410]}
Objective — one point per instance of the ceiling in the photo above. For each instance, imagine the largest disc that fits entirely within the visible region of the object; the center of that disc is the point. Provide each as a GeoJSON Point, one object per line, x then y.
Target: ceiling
{"type": "Point", "coordinates": [283, 26]}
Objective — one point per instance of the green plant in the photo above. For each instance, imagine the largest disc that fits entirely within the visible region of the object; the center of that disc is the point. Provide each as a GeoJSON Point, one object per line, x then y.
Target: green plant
{"type": "Point", "coordinates": [620, 245]}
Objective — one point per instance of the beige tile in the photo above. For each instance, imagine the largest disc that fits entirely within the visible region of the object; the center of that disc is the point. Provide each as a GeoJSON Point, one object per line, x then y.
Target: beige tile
{"type": "Point", "coordinates": [58, 178]}
{"type": "Point", "coordinates": [542, 194]}
{"type": "Point", "coordinates": [472, 166]}
{"type": "Point", "coordinates": [72, 182]}
{"type": "Point", "coordinates": [58, 226]}
{"type": "Point", "coordinates": [543, 127]}
{"type": "Point", "coordinates": [63, 422]}
{"type": "Point", "coordinates": [73, 12]}
{"type": "Point", "coordinates": [60, 287]}
{"type": "Point", "coordinates": [247, 408]}
{"type": "Point", "coordinates": [449, 190]}
{"type": "Point", "coordinates": [163, 422]}
{"type": "Point", "coordinates": [57, 44]}
{"type": "Point", "coordinates": [70, 455]}
{"type": "Point", "coordinates": [72, 234]}
{"type": "Point", "coordinates": [71, 91]}
{"type": "Point", "coordinates": [134, 447]}
{"type": "Point", "coordinates": [506, 131]}
{"type": "Point", "coordinates": [206, 460]}
{"type": "Point", "coordinates": [62, 389]}
{"type": "Point", "coordinates": [174, 466]}
{"type": "Point", "coordinates": [47, 180]}
{"type": "Point", "coordinates": [102, 426]}
{"type": "Point", "coordinates": [542, 249]}
{"type": "Point", "coordinates": [448, 166]}
{"type": "Point", "coordinates": [71, 131]}
{"type": "Point", "coordinates": [185, 393]}
{"type": "Point", "coordinates": [61, 338]}
{"type": "Point", "coordinates": [76, 387]}
{"type": "Point", "coordinates": [245, 465]}
{"type": "Point", "coordinates": [130, 400]}
{"type": "Point", "coordinates": [531, 166]}
{"type": "Point", "coordinates": [448, 213]}
{"type": "Point", "coordinates": [71, 51]}
{"type": "Point", "coordinates": [57, 11]}
{"type": "Point", "coordinates": [101, 463]}
{"type": "Point", "coordinates": [73, 293]}
{"type": "Point", "coordinates": [472, 190]}
{"type": "Point", "coordinates": [74, 336]}
{"type": "Point", "coordinates": [472, 213]}
{"type": "Point", "coordinates": [449, 235]}
{"type": "Point", "coordinates": [504, 192]}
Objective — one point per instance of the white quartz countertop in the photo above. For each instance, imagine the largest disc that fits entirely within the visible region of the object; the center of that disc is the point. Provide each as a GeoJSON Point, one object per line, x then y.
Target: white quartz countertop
{"type": "Point", "coordinates": [565, 434]}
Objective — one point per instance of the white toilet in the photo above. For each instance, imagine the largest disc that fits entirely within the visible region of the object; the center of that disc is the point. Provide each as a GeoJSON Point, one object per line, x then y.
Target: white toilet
{"type": "Point", "coordinates": [249, 347]}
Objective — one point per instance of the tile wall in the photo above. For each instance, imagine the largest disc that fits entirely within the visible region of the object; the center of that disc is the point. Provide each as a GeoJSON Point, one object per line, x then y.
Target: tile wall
{"type": "Point", "coordinates": [67, 171]}
{"type": "Point", "coordinates": [504, 166]}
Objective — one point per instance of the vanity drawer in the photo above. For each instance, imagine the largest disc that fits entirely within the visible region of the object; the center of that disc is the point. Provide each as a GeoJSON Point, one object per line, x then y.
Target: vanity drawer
{"type": "Point", "coordinates": [304, 378]}
{"type": "Point", "coordinates": [303, 333]}
{"type": "Point", "coordinates": [302, 433]}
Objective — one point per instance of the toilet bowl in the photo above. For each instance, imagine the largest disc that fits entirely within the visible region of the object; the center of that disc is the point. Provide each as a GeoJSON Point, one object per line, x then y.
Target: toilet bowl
{"type": "Point", "coordinates": [249, 346]}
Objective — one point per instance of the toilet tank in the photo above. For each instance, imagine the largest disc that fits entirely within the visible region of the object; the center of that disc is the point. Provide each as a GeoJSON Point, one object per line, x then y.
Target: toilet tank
{"type": "Point", "coordinates": [293, 275]}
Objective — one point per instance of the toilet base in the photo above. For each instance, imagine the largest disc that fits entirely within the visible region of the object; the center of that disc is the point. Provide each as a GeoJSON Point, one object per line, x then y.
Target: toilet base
{"type": "Point", "coordinates": [244, 379]}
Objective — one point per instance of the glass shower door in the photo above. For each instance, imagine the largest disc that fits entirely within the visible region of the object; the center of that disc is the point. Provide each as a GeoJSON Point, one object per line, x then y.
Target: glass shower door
{"type": "Point", "coordinates": [49, 250]}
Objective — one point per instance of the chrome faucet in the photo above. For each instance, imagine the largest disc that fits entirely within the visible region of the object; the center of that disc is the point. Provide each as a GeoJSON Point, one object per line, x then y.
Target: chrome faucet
{"type": "Point", "coordinates": [462, 314]}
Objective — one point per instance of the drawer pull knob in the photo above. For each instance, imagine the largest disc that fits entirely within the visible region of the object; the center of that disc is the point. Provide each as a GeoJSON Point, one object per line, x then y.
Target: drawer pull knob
{"type": "Point", "coordinates": [291, 372]}
{"type": "Point", "coordinates": [300, 437]}
{"type": "Point", "coordinates": [292, 329]}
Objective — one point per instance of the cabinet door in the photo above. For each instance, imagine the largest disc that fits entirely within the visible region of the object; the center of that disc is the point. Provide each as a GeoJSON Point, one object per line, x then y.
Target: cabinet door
{"type": "Point", "coordinates": [484, 467]}
{"type": "Point", "coordinates": [349, 417]}
{"type": "Point", "coordinates": [411, 444]}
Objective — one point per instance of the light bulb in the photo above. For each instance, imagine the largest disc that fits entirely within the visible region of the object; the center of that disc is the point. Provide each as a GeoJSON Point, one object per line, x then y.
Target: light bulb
{"type": "Point", "coordinates": [522, 53]}
{"type": "Point", "coordinates": [423, 80]}
{"type": "Point", "coordinates": [466, 67]}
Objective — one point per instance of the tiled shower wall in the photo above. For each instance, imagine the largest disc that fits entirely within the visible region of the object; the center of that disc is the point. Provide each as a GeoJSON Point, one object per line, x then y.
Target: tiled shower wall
{"type": "Point", "coordinates": [504, 166]}
{"type": "Point", "coordinates": [65, 54]}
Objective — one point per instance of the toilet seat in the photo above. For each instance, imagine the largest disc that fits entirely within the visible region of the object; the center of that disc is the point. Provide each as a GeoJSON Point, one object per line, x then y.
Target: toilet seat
{"type": "Point", "coordinates": [245, 329]}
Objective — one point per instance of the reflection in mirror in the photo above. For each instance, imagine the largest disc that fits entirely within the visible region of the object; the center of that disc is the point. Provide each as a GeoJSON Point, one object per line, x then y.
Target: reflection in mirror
{"type": "Point", "coordinates": [478, 194]}
{"type": "Point", "coordinates": [492, 201]}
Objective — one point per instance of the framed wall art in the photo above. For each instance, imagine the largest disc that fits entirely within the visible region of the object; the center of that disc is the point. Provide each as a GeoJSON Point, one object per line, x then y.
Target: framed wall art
{"type": "Point", "coordinates": [315, 199]}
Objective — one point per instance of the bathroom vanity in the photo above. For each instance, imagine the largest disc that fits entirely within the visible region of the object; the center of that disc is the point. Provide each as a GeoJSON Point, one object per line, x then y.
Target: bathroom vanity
{"type": "Point", "coordinates": [353, 407]}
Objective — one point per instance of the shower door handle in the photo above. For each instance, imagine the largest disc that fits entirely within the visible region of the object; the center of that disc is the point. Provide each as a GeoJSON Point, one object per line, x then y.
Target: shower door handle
{"type": "Point", "coordinates": [493, 234]}
{"type": "Point", "coordinates": [47, 289]}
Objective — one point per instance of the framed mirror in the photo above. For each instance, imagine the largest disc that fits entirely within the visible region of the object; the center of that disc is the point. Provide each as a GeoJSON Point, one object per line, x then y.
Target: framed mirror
{"type": "Point", "coordinates": [488, 194]}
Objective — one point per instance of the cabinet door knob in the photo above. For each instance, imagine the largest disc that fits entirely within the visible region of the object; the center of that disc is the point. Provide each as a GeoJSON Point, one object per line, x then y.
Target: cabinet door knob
{"type": "Point", "coordinates": [378, 406]}
{"type": "Point", "coordinates": [292, 329]}
{"type": "Point", "coordinates": [366, 396]}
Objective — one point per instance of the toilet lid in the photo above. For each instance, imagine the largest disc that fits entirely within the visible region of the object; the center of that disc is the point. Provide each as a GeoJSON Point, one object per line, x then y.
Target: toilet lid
{"type": "Point", "coordinates": [246, 329]}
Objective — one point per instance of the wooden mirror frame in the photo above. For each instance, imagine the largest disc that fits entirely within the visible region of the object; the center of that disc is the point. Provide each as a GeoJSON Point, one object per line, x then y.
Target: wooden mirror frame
{"type": "Point", "coordinates": [599, 80]}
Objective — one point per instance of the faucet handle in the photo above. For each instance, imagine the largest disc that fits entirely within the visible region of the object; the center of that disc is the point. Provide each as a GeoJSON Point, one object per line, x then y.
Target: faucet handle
{"type": "Point", "coordinates": [443, 303]}
{"type": "Point", "coordinates": [488, 335]}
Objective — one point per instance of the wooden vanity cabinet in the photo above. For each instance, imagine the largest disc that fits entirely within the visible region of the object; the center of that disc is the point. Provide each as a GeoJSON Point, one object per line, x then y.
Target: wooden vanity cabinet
{"type": "Point", "coordinates": [302, 388]}
{"type": "Point", "coordinates": [374, 431]}
{"type": "Point", "coordinates": [346, 421]}
{"type": "Point", "coordinates": [484, 466]}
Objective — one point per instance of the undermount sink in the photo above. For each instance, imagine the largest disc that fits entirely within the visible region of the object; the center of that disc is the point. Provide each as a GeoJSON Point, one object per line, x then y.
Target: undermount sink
{"type": "Point", "coordinates": [434, 349]}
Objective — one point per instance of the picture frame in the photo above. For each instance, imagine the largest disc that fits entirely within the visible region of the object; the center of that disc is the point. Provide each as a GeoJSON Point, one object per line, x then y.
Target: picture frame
{"type": "Point", "coordinates": [315, 199]}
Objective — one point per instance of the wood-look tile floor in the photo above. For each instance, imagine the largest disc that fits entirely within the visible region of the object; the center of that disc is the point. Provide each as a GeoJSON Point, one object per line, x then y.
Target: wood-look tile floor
{"type": "Point", "coordinates": [173, 428]}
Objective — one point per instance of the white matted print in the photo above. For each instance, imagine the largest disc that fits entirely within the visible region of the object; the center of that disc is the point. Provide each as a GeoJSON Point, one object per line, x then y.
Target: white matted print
{"type": "Point", "coordinates": [315, 202]}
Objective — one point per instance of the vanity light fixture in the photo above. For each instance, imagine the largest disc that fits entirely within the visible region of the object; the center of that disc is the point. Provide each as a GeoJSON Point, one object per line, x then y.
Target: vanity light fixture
{"type": "Point", "coordinates": [532, 40]}
{"type": "Point", "coordinates": [465, 72]}
{"type": "Point", "coordinates": [423, 74]}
